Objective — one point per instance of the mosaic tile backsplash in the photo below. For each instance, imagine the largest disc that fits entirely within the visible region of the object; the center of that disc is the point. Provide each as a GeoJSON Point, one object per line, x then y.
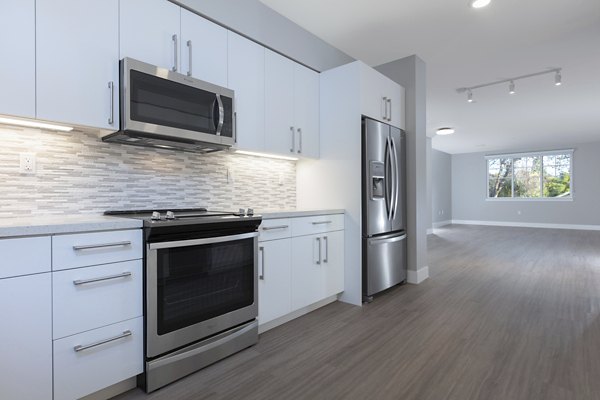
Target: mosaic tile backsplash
{"type": "Point", "coordinates": [77, 173]}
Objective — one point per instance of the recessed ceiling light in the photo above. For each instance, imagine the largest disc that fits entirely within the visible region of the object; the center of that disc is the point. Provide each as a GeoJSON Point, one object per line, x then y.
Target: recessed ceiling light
{"type": "Point", "coordinates": [34, 124]}
{"type": "Point", "coordinates": [479, 3]}
{"type": "Point", "coordinates": [445, 131]}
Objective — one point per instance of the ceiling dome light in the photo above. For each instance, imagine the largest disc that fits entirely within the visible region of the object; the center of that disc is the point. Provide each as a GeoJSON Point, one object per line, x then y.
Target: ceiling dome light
{"type": "Point", "coordinates": [558, 78]}
{"type": "Point", "coordinates": [445, 131]}
{"type": "Point", "coordinates": [511, 88]}
{"type": "Point", "coordinates": [479, 3]}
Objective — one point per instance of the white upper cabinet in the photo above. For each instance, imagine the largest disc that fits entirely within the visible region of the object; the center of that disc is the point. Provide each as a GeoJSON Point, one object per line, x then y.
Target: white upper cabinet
{"type": "Point", "coordinates": [17, 69]}
{"type": "Point", "coordinates": [381, 98]}
{"type": "Point", "coordinates": [291, 107]}
{"type": "Point", "coordinates": [78, 62]}
{"type": "Point", "coordinates": [280, 133]}
{"type": "Point", "coordinates": [306, 111]}
{"type": "Point", "coordinates": [150, 32]}
{"type": "Point", "coordinates": [246, 65]}
{"type": "Point", "coordinates": [203, 49]}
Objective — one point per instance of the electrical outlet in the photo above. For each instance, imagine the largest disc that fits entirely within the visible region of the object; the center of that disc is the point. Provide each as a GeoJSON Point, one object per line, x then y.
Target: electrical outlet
{"type": "Point", "coordinates": [27, 163]}
{"type": "Point", "coordinates": [280, 179]}
{"type": "Point", "coordinates": [230, 177]}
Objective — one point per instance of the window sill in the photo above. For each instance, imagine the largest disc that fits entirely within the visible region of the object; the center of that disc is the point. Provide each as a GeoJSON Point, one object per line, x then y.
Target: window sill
{"type": "Point", "coordinates": [545, 199]}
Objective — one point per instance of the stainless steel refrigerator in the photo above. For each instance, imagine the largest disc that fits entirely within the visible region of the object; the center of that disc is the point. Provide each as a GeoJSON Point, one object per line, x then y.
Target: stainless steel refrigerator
{"type": "Point", "coordinates": [383, 207]}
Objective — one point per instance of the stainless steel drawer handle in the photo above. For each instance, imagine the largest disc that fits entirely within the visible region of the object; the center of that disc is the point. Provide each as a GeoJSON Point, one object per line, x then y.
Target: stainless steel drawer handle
{"type": "Point", "coordinates": [270, 228]}
{"type": "Point", "coordinates": [102, 245]}
{"type": "Point", "coordinates": [102, 278]}
{"type": "Point", "coordinates": [321, 222]}
{"type": "Point", "coordinates": [103, 341]}
{"type": "Point", "coordinates": [111, 87]}
{"type": "Point", "coordinates": [262, 273]}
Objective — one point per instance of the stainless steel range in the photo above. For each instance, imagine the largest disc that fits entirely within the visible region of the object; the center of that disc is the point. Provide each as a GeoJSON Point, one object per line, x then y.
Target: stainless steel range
{"type": "Point", "coordinates": [200, 295]}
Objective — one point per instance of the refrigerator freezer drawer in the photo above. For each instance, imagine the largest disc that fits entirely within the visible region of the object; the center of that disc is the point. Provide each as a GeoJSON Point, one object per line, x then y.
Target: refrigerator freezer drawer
{"type": "Point", "coordinates": [384, 263]}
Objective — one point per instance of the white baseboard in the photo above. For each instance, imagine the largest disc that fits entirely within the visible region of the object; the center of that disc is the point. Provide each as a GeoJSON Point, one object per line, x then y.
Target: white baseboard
{"type": "Point", "coordinates": [295, 314]}
{"type": "Point", "coordinates": [528, 225]}
{"type": "Point", "coordinates": [416, 277]}
{"type": "Point", "coordinates": [441, 223]}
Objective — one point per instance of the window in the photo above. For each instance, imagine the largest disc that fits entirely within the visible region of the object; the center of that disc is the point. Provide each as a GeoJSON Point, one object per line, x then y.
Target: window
{"type": "Point", "coordinates": [545, 175]}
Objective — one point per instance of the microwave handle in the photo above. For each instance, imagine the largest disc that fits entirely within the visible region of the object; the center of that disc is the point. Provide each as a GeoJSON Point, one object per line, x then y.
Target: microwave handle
{"type": "Point", "coordinates": [219, 123]}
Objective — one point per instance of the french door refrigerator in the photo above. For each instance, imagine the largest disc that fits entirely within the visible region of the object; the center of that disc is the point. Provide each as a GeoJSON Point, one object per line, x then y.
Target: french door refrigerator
{"type": "Point", "coordinates": [383, 207]}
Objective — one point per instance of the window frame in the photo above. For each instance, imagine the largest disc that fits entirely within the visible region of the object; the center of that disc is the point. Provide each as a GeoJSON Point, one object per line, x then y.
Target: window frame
{"type": "Point", "coordinates": [541, 154]}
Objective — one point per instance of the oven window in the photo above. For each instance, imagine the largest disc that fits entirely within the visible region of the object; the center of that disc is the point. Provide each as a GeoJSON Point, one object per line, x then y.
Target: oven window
{"type": "Point", "coordinates": [160, 101]}
{"type": "Point", "coordinates": [197, 283]}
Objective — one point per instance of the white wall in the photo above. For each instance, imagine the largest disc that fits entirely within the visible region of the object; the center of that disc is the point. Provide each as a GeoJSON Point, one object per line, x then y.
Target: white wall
{"type": "Point", "coordinates": [428, 150]}
{"type": "Point", "coordinates": [469, 193]}
{"type": "Point", "coordinates": [441, 187]}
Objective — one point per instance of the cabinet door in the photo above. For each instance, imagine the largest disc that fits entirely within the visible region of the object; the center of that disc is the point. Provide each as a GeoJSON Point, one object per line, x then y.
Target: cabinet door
{"type": "Point", "coordinates": [150, 32]}
{"type": "Point", "coordinates": [396, 109]}
{"type": "Point", "coordinates": [333, 262]}
{"type": "Point", "coordinates": [26, 337]}
{"type": "Point", "coordinates": [246, 61]}
{"type": "Point", "coordinates": [78, 62]}
{"type": "Point", "coordinates": [308, 275]}
{"type": "Point", "coordinates": [274, 298]}
{"type": "Point", "coordinates": [306, 111]}
{"type": "Point", "coordinates": [17, 69]}
{"type": "Point", "coordinates": [203, 49]}
{"type": "Point", "coordinates": [280, 131]}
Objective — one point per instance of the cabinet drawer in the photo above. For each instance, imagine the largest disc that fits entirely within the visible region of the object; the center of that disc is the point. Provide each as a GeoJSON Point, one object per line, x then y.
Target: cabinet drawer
{"type": "Point", "coordinates": [88, 298]}
{"type": "Point", "coordinates": [317, 224]}
{"type": "Point", "coordinates": [271, 229]}
{"type": "Point", "coordinates": [81, 250]}
{"type": "Point", "coordinates": [25, 256]}
{"type": "Point", "coordinates": [107, 356]}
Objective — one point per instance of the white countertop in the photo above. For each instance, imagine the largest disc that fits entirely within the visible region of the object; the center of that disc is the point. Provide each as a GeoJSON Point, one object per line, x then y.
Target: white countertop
{"type": "Point", "coordinates": [56, 224]}
{"type": "Point", "coordinates": [272, 214]}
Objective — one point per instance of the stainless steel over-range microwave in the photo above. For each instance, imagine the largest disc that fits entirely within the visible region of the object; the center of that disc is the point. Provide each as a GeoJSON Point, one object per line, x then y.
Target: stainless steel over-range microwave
{"type": "Point", "coordinates": [165, 109]}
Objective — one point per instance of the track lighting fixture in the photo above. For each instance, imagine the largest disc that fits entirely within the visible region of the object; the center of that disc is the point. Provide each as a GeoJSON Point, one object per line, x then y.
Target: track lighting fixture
{"type": "Point", "coordinates": [511, 82]}
{"type": "Point", "coordinates": [558, 78]}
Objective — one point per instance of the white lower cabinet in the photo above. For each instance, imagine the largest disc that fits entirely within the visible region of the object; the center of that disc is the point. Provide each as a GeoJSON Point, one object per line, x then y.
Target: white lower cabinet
{"type": "Point", "coordinates": [297, 269]}
{"type": "Point", "coordinates": [274, 279]}
{"type": "Point", "coordinates": [96, 359]}
{"type": "Point", "coordinates": [26, 337]}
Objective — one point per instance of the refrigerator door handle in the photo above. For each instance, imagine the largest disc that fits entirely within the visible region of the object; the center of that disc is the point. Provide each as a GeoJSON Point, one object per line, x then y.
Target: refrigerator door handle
{"type": "Point", "coordinates": [396, 182]}
{"type": "Point", "coordinates": [388, 167]}
{"type": "Point", "coordinates": [393, 169]}
{"type": "Point", "coordinates": [387, 239]}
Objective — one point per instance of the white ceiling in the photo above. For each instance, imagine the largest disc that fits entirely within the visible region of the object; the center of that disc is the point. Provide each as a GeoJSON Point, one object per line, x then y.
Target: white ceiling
{"type": "Point", "coordinates": [465, 47]}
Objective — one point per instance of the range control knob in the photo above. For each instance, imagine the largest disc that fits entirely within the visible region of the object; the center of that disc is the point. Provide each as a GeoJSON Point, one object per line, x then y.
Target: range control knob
{"type": "Point", "coordinates": [241, 212]}
{"type": "Point", "coordinates": [155, 216]}
{"type": "Point", "coordinates": [170, 215]}
{"type": "Point", "coordinates": [250, 212]}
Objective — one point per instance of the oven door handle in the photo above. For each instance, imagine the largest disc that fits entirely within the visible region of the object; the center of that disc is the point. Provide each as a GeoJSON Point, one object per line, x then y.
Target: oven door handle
{"type": "Point", "coordinates": [197, 242]}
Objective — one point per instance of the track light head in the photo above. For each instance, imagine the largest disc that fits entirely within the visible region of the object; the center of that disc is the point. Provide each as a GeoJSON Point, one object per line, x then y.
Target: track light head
{"type": "Point", "coordinates": [511, 88]}
{"type": "Point", "coordinates": [558, 78]}
{"type": "Point", "coordinates": [469, 96]}
{"type": "Point", "coordinates": [479, 3]}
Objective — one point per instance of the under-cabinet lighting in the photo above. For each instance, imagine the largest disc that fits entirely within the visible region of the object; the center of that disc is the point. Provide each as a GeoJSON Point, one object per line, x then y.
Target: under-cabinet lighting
{"type": "Point", "coordinates": [252, 153]}
{"type": "Point", "coordinates": [34, 124]}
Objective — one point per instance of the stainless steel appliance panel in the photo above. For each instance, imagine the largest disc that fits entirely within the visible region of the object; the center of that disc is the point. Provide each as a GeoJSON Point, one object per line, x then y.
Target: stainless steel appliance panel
{"type": "Point", "coordinates": [385, 262]}
{"type": "Point", "coordinates": [377, 174]}
{"type": "Point", "coordinates": [398, 145]}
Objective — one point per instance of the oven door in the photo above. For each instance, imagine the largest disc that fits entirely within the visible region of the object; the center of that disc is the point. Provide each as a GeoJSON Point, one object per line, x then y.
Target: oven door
{"type": "Point", "coordinates": [172, 106]}
{"type": "Point", "coordinates": [198, 288]}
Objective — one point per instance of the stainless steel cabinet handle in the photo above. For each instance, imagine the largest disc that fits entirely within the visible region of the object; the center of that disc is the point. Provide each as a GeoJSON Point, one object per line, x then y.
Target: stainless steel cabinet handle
{"type": "Point", "coordinates": [319, 258]}
{"type": "Point", "coordinates": [175, 53]}
{"type": "Point", "coordinates": [262, 271]}
{"type": "Point", "coordinates": [293, 148]}
{"type": "Point", "coordinates": [111, 87]}
{"type": "Point", "coordinates": [384, 103]}
{"type": "Point", "coordinates": [269, 228]}
{"type": "Point", "coordinates": [321, 222]}
{"type": "Point", "coordinates": [102, 245]}
{"type": "Point", "coordinates": [189, 45]}
{"type": "Point", "coordinates": [299, 140]}
{"type": "Point", "coordinates": [103, 341]}
{"type": "Point", "coordinates": [102, 278]}
{"type": "Point", "coordinates": [326, 249]}
{"type": "Point", "coordinates": [389, 101]}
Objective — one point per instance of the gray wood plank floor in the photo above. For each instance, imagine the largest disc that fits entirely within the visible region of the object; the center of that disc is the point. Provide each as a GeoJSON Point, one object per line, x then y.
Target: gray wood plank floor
{"type": "Point", "coordinates": [508, 313]}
